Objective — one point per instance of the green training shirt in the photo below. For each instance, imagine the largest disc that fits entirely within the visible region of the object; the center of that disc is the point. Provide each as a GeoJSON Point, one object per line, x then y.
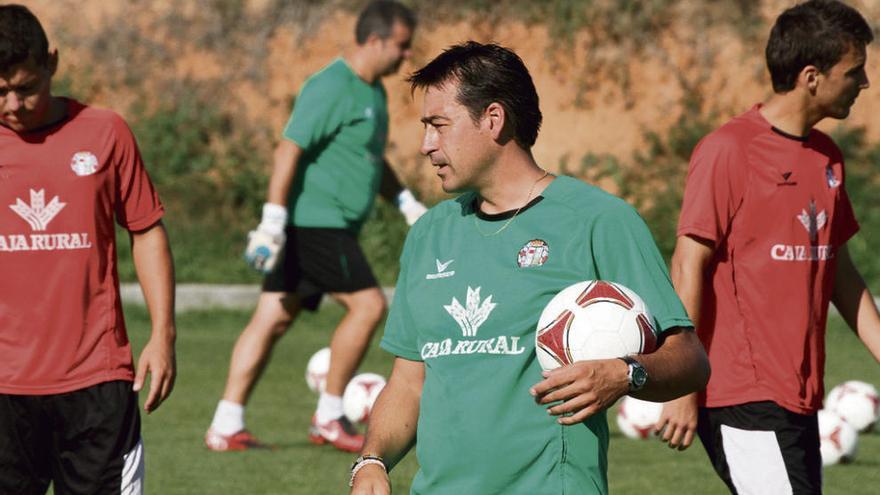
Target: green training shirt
{"type": "Point", "coordinates": [467, 304]}
{"type": "Point", "coordinates": [341, 123]}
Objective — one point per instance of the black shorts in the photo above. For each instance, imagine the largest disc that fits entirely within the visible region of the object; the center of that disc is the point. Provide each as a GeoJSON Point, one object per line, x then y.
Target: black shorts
{"type": "Point", "coordinates": [761, 447]}
{"type": "Point", "coordinates": [319, 260]}
{"type": "Point", "coordinates": [86, 441]}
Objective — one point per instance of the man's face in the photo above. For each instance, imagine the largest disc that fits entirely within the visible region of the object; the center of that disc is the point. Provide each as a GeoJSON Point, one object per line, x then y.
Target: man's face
{"type": "Point", "coordinates": [459, 148]}
{"type": "Point", "coordinates": [24, 95]}
{"type": "Point", "coordinates": [395, 49]}
{"type": "Point", "coordinates": [841, 84]}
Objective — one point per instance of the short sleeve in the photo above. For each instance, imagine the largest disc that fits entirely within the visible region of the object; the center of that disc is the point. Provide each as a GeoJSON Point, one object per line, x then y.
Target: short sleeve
{"type": "Point", "coordinates": [318, 113]}
{"type": "Point", "coordinates": [624, 251]}
{"type": "Point", "coordinates": [714, 188]}
{"type": "Point", "coordinates": [137, 203]}
{"type": "Point", "coordinates": [845, 224]}
{"type": "Point", "coordinates": [401, 335]}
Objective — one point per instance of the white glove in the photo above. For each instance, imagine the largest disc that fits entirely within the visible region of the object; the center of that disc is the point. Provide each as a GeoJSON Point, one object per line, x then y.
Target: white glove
{"type": "Point", "coordinates": [266, 241]}
{"type": "Point", "coordinates": [410, 206]}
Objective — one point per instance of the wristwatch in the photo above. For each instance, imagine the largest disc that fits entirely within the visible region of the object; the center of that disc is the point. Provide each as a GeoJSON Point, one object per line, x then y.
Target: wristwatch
{"type": "Point", "coordinates": [635, 373]}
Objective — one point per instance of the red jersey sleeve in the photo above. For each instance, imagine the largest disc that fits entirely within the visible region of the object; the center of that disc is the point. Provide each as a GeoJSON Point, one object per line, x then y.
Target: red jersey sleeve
{"type": "Point", "coordinates": [847, 225]}
{"type": "Point", "coordinates": [137, 203]}
{"type": "Point", "coordinates": [714, 188]}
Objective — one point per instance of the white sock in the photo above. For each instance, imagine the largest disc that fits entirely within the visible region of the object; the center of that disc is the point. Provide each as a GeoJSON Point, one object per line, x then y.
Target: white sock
{"type": "Point", "coordinates": [228, 418]}
{"type": "Point", "coordinates": [329, 408]}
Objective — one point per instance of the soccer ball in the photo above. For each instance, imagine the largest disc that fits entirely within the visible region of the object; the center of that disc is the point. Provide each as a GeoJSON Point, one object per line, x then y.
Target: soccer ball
{"type": "Point", "coordinates": [360, 395]}
{"type": "Point", "coordinates": [316, 370]}
{"type": "Point", "coordinates": [838, 439]}
{"type": "Point", "coordinates": [856, 402]}
{"type": "Point", "coordinates": [594, 319]}
{"type": "Point", "coordinates": [636, 418]}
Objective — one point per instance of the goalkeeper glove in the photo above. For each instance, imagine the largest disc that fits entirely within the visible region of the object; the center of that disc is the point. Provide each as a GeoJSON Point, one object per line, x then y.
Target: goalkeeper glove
{"type": "Point", "coordinates": [266, 241]}
{"type": "Point", "coordinates": [411, 208]}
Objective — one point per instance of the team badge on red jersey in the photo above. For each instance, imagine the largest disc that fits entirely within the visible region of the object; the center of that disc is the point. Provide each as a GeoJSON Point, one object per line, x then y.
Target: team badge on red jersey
{"type": "Point", "coordinates": [84, 163]}
{"type": "Point", "coordinates": [833, 181]}
{"type": "Point", "coordinates": [534, 253]}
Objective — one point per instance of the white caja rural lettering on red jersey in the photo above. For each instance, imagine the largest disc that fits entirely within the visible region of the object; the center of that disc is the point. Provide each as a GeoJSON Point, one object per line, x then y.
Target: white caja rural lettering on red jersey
{"type": "Point", "coordinates": [777, 211]}
{"type": "Point", "coordinates": [61, 187]}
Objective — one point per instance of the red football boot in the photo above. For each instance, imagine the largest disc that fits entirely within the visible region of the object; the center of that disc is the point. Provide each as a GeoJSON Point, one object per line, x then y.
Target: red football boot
{"type": "Point", "coordinates": [339, 433]}
{"type": "Point", "coordinates": [242, 440]}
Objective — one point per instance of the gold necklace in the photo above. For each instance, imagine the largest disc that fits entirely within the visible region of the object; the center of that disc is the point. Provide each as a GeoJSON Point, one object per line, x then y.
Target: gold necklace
{"type": "Point", "coordinates": [509, 220]}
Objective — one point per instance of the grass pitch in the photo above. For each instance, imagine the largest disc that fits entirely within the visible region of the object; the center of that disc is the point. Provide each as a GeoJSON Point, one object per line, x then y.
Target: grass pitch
{"type": "Point", "coordinates": [178, 463]}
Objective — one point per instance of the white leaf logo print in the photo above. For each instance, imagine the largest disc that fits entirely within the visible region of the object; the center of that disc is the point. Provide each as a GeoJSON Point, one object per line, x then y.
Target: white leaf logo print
{"type": "Point", "coordinates": [474, 314]}
{"type": "Point", "coordinates": [38, 214]}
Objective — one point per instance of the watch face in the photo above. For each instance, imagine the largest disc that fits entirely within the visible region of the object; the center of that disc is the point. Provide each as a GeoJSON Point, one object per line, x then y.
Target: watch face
{"type": "Point", "coordinates": [639, 376]}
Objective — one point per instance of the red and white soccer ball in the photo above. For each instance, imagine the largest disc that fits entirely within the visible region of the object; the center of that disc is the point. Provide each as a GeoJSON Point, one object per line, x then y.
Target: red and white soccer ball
{"type": "Point", "coordinates": [360, 395]}
{"type": "Point", "coordinates": [838, 438]}
{"type": "Point", "coordinates": [593, 319]}
{"type": "Point", "coordinates": [316, 370]}
{"type": "Point", "coordinates": [856, 402]}
{"type": "Point", "coordinates": [636, 418]}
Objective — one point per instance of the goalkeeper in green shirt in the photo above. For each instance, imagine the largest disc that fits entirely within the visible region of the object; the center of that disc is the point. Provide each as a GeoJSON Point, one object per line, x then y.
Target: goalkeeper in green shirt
{"type": "Point", "coordinates": [327, 172]}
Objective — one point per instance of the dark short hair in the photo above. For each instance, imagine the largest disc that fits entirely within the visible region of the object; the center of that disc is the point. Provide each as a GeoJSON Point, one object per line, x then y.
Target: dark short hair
{"type": "Point", "coordinates": [817, 32]}
{"type": "Point", "coordinates": [379, 17]}
{"type": "Point", "coordinates": [21, 37]}
{"type": "Point", "coordinates": [486, 74]}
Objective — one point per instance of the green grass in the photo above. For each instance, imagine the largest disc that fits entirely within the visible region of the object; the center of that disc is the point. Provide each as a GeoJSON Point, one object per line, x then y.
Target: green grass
{"type": "Point", "coordinates": [178, 463]}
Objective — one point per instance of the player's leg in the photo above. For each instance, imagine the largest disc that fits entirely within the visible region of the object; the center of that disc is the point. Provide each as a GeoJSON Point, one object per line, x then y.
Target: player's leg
{"type": "Point", "coordinates": [760, 448]}
{"type": "Point", "coordinates": [24, 445]}
{"type": "Point", "coordinates": [351, 339]}
{"type": "Point", "coordinates": [337, 265]}
{"type": "Point", "coordinates": [273, 316]}
{"type": "Point", "coordinates": [96, 441]}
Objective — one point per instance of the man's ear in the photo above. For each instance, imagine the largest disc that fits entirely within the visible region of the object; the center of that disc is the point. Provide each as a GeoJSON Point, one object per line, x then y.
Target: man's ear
{"type": "Point", "coordinates": [809, 78]}
{"type": "Point", "coordinates": [496, 118]}
{"type": "Point", "coordinates": [52, 62]}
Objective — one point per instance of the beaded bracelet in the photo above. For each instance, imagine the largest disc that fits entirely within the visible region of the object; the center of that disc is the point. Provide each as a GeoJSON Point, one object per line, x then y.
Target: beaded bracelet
{"type": "Point", "coordinates": [363, 461]}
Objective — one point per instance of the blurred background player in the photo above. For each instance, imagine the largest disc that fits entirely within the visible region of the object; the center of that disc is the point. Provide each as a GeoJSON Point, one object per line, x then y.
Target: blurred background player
{"type": "Point", "coordinates": [68, 410]}
{"type": "Point", "coordinates": [471, 405]}
{"type": "Point", "coordinates": [761, 251]}
{"type": "Point", "coordinates": [327, 172]}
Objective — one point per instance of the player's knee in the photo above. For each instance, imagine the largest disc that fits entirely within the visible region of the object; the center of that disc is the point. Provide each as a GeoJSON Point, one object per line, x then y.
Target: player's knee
{"type": "Point", "coordinates": [370, 306]}
{"type": "Point", "coordinates": [280, 325]}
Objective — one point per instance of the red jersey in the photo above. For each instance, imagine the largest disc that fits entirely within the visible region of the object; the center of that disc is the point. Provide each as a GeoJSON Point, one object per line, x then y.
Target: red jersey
{"type": "Point", "coordinates": [777, 211]}
{"type": "Point", "coordinates": [61, 325]}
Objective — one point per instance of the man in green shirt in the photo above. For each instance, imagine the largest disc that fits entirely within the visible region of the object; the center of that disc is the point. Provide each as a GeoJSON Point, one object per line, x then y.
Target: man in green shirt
{"type": "Point", "coordinates": [476, 273]}
{"type": "Point", "coordinates": [327, 172]}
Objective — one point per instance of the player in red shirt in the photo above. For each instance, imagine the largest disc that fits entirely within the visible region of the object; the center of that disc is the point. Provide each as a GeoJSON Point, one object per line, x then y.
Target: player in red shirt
{"type": "Point", "coordinates": [762, 250]}
{"type": "Point", "coordinates": [68, 407]}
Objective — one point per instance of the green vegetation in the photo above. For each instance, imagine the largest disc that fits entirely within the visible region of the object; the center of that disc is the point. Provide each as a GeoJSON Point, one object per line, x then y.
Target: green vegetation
{"type": "Point", "coordinates": [178, 463]}
{"type": "Point", "coordinates": [211, 165]}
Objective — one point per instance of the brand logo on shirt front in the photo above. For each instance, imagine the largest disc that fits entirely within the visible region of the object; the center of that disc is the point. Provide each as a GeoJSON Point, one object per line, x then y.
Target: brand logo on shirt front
{"type": "Point", "coordinates": [470, 317]}
{"type": "Point", "coordinates": [813, 221]}
{"type": "Point", "coordinates": [786, 180]}
{"type": "Point", "coordinates": [474, 314]}
{"type": "Point", "coordinates": [38, 214]}
{"type": "Point", "coordinates": [84, 163]}
{"type": "Point", "coordinates": [441, 270]}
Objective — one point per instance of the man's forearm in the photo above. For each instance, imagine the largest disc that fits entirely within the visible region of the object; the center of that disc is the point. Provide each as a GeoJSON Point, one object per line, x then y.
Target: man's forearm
{"type": "Point", "coordinates": [854, 302]}
{"type": "Point", "coordinates": [679, 367]}
{"type": "Point", "coordinates": [284, 163]}
{"type": "Point", "coordinates": [155, 270]}
{"type": "Point", "coordinates": [394, 418]}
